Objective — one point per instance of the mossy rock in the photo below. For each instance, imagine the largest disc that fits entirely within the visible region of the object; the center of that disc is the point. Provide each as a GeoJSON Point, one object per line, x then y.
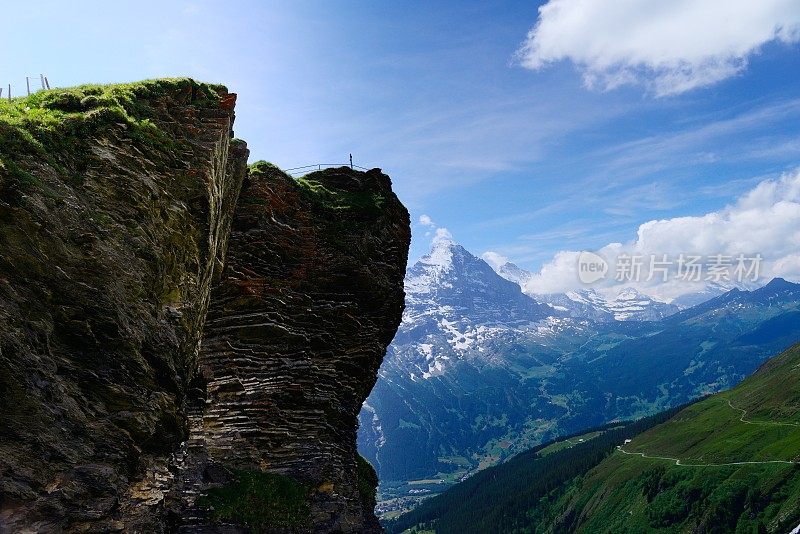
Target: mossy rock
{"type": "Point", "coordinates": [367, 482]}
{"type": "Point", "coordinates": [262, 501]}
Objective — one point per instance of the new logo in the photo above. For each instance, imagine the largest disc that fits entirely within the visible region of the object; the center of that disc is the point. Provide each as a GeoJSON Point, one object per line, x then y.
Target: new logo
{"type": "Point", "coordinates": [591, 267]}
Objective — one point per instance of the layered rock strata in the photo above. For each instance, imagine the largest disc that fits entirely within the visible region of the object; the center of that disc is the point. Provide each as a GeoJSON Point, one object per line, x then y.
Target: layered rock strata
{"type": "Point", "coordinates": [311, 296]}
{"type": "Point", "coordinates": [116, 205]}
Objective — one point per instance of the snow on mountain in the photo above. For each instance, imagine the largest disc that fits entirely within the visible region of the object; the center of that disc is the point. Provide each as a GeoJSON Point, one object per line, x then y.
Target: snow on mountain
{"type": "Point", "coordinates": [627, 305]}
{"type": "Point", "coordinates": [458, 307]}
{"type": "Point", "coordinates": [584, 304]}
{"type": "Point", "coordinates": [631, 305]}
{"type": "Point", "coordinates": [476, 363]}
{"type": "Point", "coordinates": [455, 305]}
{"type": "Point", "coordinates": [515, 274]}
{"type": "Point", "coordinates": [450, 283]}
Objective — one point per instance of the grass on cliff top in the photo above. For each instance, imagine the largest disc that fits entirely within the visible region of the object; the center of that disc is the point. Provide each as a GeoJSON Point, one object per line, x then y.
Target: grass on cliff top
{"type": "Point", "coordinates": [262, 501]}
{"type": "Point", "coordinates": [53, 123]}
{"type": "Point", "coordinates": [312, 186]}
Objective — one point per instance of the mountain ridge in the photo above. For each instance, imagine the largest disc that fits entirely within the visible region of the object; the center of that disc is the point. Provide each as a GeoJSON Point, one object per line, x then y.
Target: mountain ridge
{"type": "Point", "coordinates": [465, 391]}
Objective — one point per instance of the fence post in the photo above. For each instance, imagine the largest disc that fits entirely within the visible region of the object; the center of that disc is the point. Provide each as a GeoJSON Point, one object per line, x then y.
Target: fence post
{"type": "Point", "coordinates": [9, 92]}
{"type": "Point", "coordinates": [46, 82]}
{"type": "Point", "coordinates": [41, 79]}
{"type": "Point", "coordinates": [28, 84]}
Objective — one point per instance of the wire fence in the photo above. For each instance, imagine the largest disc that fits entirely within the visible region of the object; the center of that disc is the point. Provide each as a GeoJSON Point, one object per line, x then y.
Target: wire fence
{"type": "Point", "coordinates": [305, 169]}
{"type": "Point", "coordinates": [6, 89]}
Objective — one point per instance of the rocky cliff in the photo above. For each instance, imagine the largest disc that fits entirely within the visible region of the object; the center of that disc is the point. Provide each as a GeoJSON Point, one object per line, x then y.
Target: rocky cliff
{"type": "Point", "coordinates": [310, 298]}
{"type": "Point", "coordinates": [116, 208]}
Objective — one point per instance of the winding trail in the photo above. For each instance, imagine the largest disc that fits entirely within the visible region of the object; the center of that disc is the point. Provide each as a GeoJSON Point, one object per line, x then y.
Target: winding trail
{"type": "Point", "coordinates": [678, 462]}
{"type": "Point", "coordinates": [766, 423]}
{"type": "Point", "coordinates": [742, 419]}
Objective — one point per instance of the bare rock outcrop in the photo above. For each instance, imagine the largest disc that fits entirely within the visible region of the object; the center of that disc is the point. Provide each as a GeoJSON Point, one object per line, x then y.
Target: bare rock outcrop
{"type": "Point", "coordinates": [173, 354]}
{"type": "Point", "coordinates": [311, 295]}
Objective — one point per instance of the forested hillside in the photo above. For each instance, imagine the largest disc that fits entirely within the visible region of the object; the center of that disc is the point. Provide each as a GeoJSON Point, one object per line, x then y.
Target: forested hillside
{"type": "Point", "coordinates": [498, 499]}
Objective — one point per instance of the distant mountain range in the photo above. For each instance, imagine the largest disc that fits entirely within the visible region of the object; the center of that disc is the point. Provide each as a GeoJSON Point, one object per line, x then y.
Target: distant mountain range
{"type": "Point", "coordinates": [627, 305]}
{"type": "Point", "coordinates": [727, 463]}
{"type": "Point", "coordinates": [479, 371]}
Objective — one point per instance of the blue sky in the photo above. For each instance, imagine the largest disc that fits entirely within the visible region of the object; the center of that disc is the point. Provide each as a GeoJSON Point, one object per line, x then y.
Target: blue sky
{"type": "Point", "coordinates": [519, 161]}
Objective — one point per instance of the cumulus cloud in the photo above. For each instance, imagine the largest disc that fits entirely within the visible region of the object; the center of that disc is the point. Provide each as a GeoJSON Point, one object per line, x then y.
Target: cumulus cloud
{"type": "Point", "coordinates": [425, 220]}
{"type": "Point", "coordinates": [442, 235]}
{"type": "Point", "coordinates": [765, 221]}
{"type": "Point", "coordinates": [436, 233]}
{"type": "Point", "coordinates": [494, 259]}
{"type": "Point", "coordinates": [669, 46]}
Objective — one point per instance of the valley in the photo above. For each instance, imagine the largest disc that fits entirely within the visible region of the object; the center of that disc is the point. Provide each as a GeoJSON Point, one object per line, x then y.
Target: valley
{"type": "Point", "coordinates": [726, 463]}
{"type": "Point", "coordinates": [479, 371]}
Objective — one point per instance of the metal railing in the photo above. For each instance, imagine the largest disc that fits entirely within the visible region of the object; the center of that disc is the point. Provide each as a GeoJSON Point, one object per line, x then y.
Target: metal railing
{"type": "Point", "coordinates": [42, 80]}
{"type": "Point", "coordinates": [305, 169]}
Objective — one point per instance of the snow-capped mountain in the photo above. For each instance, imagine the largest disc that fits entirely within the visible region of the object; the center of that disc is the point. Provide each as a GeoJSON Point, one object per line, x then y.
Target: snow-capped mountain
{"type": "Point", "coordinates": [455, 302]}
{"type": "Point", "coordinates": [479, 371]}
{"type": "Point", "coordinates": [586, 304]}
{"type": "Point", "coordinates": [451, 283]}
{"type": "Point", "coordinates": [513, 273]}
{"type": "Point", "coordinates": [627, 305]}
{"type": "Point", "coordinates": [631, 305]}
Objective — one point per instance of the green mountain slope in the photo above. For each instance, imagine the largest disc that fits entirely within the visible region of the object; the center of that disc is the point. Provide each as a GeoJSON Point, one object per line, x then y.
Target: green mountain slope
{"type": "Point", "coordinates": [498, 499]}
{"type": "Point", "coordinates": [727, 463]}
{"type": "Point", "coordinates": [519, 387]}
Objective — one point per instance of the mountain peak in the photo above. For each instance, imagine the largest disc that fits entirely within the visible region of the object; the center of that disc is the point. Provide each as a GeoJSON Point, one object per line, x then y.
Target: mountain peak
{"type": "Point", "coordinates": [513, 273]}
{"type": "Point", "coordinates": [779, 283]}
{"type": "Point", "coordinates": [451, 278]}
{"type": "Point", "coordinates": [776, 287]}
{"type": "Point", "coordinates": [628, 293]}
{"type": "Point", "coordinates": [441, 253]}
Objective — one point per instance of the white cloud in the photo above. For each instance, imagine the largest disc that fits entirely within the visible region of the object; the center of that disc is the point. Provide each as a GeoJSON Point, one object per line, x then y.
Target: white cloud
{"type": "Point", "coordinates": [425, 220]}
{"type": "Point", "coordinates": [788, 267]}
{"type": "Point", "coordinates": [670, 46]}
{"type": "Point", "coordinates": [557, 276]}
{"type": "Point", "coordinates": [442, 235]}
{"type": "Point", "coordinates": [765, 220]}
{"type": "Point", "coordinates": [436, 233]}
{"type": "Point", "coordinates": [494, 259]}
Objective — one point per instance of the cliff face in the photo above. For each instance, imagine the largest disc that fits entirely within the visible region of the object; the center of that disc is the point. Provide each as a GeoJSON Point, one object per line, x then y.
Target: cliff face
{"type": "Point", "coordinates": [116, 206]}
{"type": "Point", "coordinates": [311, 296]}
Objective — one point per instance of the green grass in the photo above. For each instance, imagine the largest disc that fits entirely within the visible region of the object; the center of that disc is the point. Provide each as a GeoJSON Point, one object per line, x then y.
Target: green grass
{"type": "Point", "coordinates": [567, 443]}
{"type": "Point", "coordinates": [633, 494]}
{"type": "Point", "coordinates": [54, 126]}
{"type": "Point", "coordinates": [367, 482]}
{"type": "Point", "coordinates": [337, 200]}
{"type": "Point", "coordinates": [262, 501]}
{"type": "Point", "coordinates": [712, 431]}
{"type": "Point", "coordinates": [340, 202]}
